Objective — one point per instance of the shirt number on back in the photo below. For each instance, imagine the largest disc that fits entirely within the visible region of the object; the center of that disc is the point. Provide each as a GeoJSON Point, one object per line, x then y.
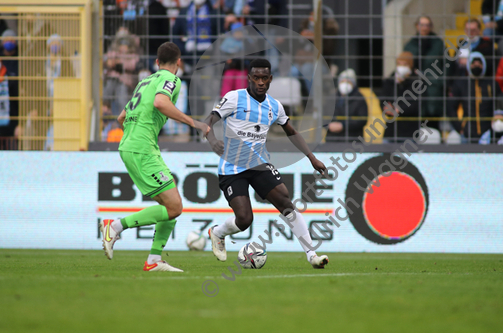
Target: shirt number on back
{"type": "Point", "coordinates": [137, 95]}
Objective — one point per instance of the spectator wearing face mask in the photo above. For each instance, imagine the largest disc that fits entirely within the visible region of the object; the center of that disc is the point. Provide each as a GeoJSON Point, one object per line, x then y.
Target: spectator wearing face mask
{"type": "Point", "coordinates": [350, 102]}
{"type": "Point", "coordinates": [427, 47]}
{"type": "Point", "coordinates": [393, 87]}
{"type": "Point", "coordinates": [495, 134]}
{"type": "Point", "coordinates": [472, 97]}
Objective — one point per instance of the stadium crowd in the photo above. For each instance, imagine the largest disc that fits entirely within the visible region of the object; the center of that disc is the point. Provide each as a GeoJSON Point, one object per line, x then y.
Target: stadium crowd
{"type": "Point", "coordinates": [463, 104]}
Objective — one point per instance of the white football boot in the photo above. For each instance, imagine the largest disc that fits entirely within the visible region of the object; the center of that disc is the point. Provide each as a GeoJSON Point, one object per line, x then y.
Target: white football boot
{"type": "Point", "coordinates": [318, 261]}
{"type": "Point", "coordinates": [218, 245]}
{"type": "Point", "coordinates": [160, 266]}
{"type": "Point", "coordinates": [110, 236]}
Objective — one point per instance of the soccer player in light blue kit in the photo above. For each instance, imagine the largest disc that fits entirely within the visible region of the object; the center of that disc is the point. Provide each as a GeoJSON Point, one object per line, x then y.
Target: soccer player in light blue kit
{"type": "Point", "coordinates": [248, 115]}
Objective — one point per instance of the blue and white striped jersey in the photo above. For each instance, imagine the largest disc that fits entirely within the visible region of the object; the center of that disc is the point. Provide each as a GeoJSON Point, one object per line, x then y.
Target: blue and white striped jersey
{"type": "Point", "coordinates": [246, 123]}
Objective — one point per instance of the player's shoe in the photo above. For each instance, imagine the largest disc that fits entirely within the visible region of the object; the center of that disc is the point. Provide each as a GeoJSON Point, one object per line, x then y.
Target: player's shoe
{"type": "Point", "coordinates": [218, 245]}
{"type": "Point", "coordinates": [110, 236]}
{"type": "Point", "coordinates": [160, 266]}
{"type": "Point", "coordinates": [318, 261]}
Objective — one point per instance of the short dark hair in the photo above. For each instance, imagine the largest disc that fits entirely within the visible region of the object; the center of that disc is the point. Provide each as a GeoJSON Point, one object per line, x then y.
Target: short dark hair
{"type": "Point", "coordinates": [470, 20]}
{"type": "Point", "coordinates": [260, 63]}
{"type": "Point", "coordinates": [168, 53]}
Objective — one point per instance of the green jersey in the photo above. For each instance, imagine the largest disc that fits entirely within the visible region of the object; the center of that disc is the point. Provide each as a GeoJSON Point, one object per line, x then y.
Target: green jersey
{"type": "Point", "coordinates": [143, 121]}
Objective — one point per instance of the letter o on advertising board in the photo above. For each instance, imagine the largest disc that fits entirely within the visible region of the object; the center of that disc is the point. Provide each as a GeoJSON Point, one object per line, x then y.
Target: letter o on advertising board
{"type": "Point", "coordinates": [393, 208]}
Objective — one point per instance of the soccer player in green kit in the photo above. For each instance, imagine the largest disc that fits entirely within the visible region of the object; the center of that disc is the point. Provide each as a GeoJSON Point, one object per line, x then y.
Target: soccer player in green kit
{"type": "Point", "coordinates": [144, 115]}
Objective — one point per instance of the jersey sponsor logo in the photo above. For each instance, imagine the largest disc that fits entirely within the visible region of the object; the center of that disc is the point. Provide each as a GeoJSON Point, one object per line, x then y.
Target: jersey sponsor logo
{"type": "Point", "coordinates": [257, 128]}
{"type": "Point", "coordinates": [270, 113]}
{"type": "Point", "coordinates": [221, 103]}
{"type": "Point", "coordinates": [131, 119]}
{"type": "Point", "coordinates": [169, 86]}
{"type": "Point", "coordinates": [251, 135]}
{"type": "Point", "coordinates": [164, 178]}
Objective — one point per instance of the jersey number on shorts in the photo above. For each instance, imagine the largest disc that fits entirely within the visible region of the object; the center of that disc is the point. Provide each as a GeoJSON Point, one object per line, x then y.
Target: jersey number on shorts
{"type": "Point", "coordinates": [273, 170]}
{"type": "Point", "coordinates": [137, 95]}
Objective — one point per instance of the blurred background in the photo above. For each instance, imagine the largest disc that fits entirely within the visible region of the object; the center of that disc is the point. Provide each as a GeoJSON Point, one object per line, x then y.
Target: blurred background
{"type": "Point", "coordinates": [69, 67]}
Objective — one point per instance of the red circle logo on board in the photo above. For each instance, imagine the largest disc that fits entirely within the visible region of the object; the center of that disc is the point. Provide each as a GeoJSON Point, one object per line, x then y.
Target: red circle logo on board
{"type": "Point", "coordinates": [388, 198]}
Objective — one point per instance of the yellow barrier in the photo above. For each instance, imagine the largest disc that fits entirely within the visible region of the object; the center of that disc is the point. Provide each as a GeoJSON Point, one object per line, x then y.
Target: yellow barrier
{"type": "Point", "coordinates": [54, 87]}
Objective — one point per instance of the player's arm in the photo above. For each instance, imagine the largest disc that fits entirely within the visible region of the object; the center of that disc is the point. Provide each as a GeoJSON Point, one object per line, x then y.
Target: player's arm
{"type": "Point", "coordinates": [216, 145]}
{"type": "Point", "coordinates": [163, 103]}
{"type": "Point", "coordinates": [121, 118]}
{"type": "Point", "coordinates": [301, 144]}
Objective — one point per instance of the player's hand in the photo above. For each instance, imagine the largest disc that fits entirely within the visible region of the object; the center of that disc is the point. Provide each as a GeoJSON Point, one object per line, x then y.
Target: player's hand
{"type": "Point", "coordinates": [205, 129]}
{"type": "Point", "coordinates": [218, 147]}
{"type": "Point", "coordinates": [319, 166]}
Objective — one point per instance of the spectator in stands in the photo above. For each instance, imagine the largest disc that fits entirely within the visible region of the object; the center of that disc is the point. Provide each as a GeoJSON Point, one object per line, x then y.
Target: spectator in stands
{"type": "Point", "coordinates": [120, 71]}
{"type": "Point", "coordinates": [3, 26]}
{"type": "Point", "coordinates": [481, 44]}
{"type": "Point", "coordinates": [115, 133]}
{"type": "Point", "coordinates": [158, 29]}
{"type": "Point", "coordinates": [427, 47]}
{"type": "Point", "coordinates": [234, 77]}
{"type": "Point", "coordinates": [9, 49]}
{"type": "Point", "coordinates": [53, 67]}
{"type": "Point", "coordinates": [457, 68]}
{"type": "Point", "coordinates": [495, 134]}
{"type": "Point", "coordinates": [235, 74]}
{"type": "Point", "coordinates": [400, 81]}
{"type": "Point", "coordinates": [492, 11]}
{"type": "Point", "coordinates": [195, 30]}
{"type": "Point", "coordinates": [304, 51]}
{"type": "Point", "coordinates": [9, 90]}
{"type": "Point", "coordinates": [350, 103]}
{"type": "Point", "coordinates": [303, 60]}
{"type": "Point", "coordinates": [472, 97]}
{"type": "Point", "coordinates": [108, 119]}
{"type": "Point", "coordinates": [253, 11]}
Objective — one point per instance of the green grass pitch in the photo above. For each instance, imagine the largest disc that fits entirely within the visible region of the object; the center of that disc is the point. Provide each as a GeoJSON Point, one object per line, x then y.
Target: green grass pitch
{"type": "Point", "coordinates": [82, 291]}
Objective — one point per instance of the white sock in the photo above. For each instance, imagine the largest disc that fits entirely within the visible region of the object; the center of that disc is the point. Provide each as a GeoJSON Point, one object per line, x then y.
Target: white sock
{"type": "Point", "coordinates": [300, 231]}
{"type": "Point", "coordinates": [229, 227]}
{"type": "Point", "coordinates": [153, 258]}
{"type": "Point", "coordinates": [117, 225]}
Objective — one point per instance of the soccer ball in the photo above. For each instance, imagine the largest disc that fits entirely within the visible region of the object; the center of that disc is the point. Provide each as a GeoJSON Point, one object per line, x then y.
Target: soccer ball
{"type": "Point", "coordinates": [196, 241]}
{"type": "Point", "coordinates": [252, 256]}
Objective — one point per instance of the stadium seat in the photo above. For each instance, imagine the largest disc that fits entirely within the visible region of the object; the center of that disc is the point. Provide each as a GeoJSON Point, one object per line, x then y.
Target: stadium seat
{"type": "Point", "coordinates": [434, 138]}
{"type": "Point", "coordinates": [375, 111]}
{"type": "Point", "coordinates": [287, 90]}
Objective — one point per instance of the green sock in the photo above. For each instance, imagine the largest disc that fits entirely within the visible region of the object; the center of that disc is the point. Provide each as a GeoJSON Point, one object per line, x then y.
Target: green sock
{"type": "Point", "coordinates": [162, 231]}
{"type": "Point", "coordinates": [147, 216]}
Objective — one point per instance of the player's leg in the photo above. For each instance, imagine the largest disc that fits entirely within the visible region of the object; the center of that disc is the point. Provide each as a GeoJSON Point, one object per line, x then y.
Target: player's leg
{"type": "Point", "coordinates": [235, 189]}
{"type": "Point", "coordinates": [169, 199]}
{"type": "Point", "coordinates": [280, 199]}
{"type": "Point", "coordinates": [269, 185]}
{"type": "Point", "coordinates": [242, 219]}
{"type": "Point", "coordinates": [154, 179]}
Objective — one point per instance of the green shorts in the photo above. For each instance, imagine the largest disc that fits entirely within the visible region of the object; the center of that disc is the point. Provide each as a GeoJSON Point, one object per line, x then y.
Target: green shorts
{"type": "Point", "coordinates": [148, 172]}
